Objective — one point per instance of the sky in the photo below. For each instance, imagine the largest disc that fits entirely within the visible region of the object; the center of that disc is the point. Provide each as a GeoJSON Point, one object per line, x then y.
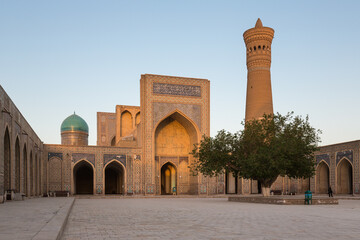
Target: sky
{"type": "Point", "coordinates": [57, 57]}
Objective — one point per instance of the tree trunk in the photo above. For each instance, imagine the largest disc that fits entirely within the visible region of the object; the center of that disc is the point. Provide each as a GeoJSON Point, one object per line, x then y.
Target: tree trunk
{"type": "Point", "coordinates": [266, 185]}
{"type": "Point", "coordinates": [265, 191]}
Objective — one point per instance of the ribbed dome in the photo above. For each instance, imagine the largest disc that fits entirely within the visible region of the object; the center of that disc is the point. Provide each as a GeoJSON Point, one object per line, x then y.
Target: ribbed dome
{"type": "Point", "coordinates": [74, 123]}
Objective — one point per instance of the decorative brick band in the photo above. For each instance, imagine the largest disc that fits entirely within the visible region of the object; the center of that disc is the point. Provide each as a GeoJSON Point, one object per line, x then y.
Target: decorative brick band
{"type": "Point", "coordinates": [175, 89]}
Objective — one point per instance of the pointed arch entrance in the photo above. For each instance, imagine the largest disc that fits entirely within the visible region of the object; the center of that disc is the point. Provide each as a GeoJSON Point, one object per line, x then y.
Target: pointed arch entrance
{"type": "Point", "coordinates": [114, 173]}
{"type": "Point", "coordinates": [344, 177]}
{"type": "Point", "coordinates": [7, 161]}
{"type": "Point", "coordinates": [174, 137]}
{"type": "Point", "coordinates": [31, 192]}
{"type": "Point", "coordinates": [25, 172]}
{"type": "Point", "coordinates": [322, 178]}
{"type": "Point", "coordinates": [168, 178]}
{"type": "Point", "coordinates": [83, 178]}
{"type": "Point", "coordinates": [17, 165]}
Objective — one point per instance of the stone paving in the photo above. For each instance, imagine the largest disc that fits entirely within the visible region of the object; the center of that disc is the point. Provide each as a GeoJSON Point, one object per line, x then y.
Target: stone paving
{"type": "Point", "coordinates": [37, 218]}
{"type": "Point", "coordinates": [209, 218]}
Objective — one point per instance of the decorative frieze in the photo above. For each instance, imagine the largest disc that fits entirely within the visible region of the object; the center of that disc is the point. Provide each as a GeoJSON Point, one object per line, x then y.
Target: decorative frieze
{"type": "Point", "coordinates": [175, 89]}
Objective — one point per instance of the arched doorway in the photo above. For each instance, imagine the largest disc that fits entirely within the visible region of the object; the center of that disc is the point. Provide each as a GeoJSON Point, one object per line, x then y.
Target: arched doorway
{"type": "Point", "coordinates": [36, 174]}
{"type": "Point", "coordinates": [7, 161]}
{"type": "Point", "coordinates": [322, 178]}
{"type": "Point", "coordinates": [113, 141]}
{"type": "Point", "coordinates": [168, 178]}
{"type": "Point", "coordinates": [25, 173]}
{"type": "Point", "coordinates": [114, 178]}
{"type": "Point", "coordinates": [31, 192]}
{"type": "Point", "coordinates": [175, 137]}
{"type": "Point", "coordinates": [344, 177]}
{"type": "Point", "coordinates": [126, 123]}
{"type": "Point", "coordinates": [83, 178]}
{"type": "Point", "coordinates": [17, 165]}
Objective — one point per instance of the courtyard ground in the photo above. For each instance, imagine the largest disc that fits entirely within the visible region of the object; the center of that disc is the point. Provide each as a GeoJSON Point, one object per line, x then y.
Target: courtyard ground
{"type": "Point", "coordinates": [36, 218]}
{"type": "Point", "coordinates": [209, 218]}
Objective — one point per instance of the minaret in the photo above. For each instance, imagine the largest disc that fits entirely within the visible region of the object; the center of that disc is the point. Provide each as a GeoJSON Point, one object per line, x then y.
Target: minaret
{"type": "Point", "coordinates": [258, 60]}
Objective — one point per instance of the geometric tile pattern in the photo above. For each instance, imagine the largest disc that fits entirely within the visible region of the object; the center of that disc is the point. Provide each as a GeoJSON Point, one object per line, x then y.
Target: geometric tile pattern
{"type": "Point", "coordinates": [119, 157]}
{"type": "Point", "coordinates": [325, 157]}
{"type": "Point", "coordinates": [345, 154]}
{"type": "Point", "coordinates": [79, 156]}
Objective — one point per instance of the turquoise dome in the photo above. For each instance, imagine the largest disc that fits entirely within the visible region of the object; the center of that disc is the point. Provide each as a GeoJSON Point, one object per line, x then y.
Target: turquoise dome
{"type": "Point", "coordinates": [74, 123]}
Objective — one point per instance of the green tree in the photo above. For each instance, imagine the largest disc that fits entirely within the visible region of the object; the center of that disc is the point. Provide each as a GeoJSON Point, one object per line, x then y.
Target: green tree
{"type": "Point", "coordinates": [266, 148]}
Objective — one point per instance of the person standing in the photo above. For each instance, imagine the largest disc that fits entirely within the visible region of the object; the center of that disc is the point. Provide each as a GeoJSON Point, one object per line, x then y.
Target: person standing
{"type": "Point", "coordinates": [330, 192]}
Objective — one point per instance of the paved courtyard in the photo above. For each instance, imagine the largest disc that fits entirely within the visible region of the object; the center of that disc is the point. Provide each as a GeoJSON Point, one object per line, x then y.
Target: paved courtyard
{"type": "Point", "coordinates": [209, 218]}
{"type": "Point", "coordinates": [36, 218]}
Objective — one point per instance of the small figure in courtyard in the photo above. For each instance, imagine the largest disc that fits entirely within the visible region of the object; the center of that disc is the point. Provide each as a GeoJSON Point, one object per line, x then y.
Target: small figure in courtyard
{"type": "Point", "coordinates": [330, 192]}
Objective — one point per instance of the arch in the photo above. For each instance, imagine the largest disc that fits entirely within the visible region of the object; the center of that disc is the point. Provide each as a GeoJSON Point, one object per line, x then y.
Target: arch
{"type": "Point", "coordinates": [181, 118]}
{"type": "Point", "coordinates": [137, 118]}
{"type": "Point", "coordinates": [114, 177]}
{"type": "Point", "coordinates": [83, 176]}
{"type": "Point", "coordinates": [17, 165]}
{"type": "Point", "coordinates": [36, 169]}
{"type": "Point", "coordinates": [344, 176]}
{"type": "Point", "coordinates": [25, 172]}
{"type": "Point", "coordinates": [40, 172]}
{"type": "Point", "coordinates": [322, 177]}
{"type": "Point", "coordinates": [168, 178]}
{"type": "Point", "coordinates": [174, 136]}
{"type": "Point", "coordinates": [113, 141]}
{"type": "Point", "coordinates": [7, 160]}
{"type": "Point", "coordinates": [126, 123]}
{"type": "Point", "coordinates": [31, 192]}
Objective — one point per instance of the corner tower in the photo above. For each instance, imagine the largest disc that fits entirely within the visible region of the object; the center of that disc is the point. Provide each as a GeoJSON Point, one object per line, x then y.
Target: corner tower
{"type": "Point", "coordinates": [74, 131]}
{"type": "Point", "coordinates": [258, 60]}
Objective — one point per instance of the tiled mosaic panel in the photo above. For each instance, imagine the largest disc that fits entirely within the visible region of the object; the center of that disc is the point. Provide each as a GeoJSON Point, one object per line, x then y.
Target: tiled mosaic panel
{"type": "Point", "coordinates": [53, 154]}
{"type": "Point", "coordinates": [55, 168]}
{"type": "Point", "coordinates": [137, 177]}
{"type": "Point", "coordinates": [162, 109]}
{"type": "Point", "coordinates": [324, 157]}
{"type": "Point", "coordinates": [119, 157]}
{"type": "Point", "coordinates": [345, 154]}
{"type": "Point", "coordinates": [176, 89]}
{"type": "Point", "coordinates": [79, 156]}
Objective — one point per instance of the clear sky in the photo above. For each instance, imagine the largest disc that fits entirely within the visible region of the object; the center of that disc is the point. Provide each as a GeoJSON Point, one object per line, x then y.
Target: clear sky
{"type": "Point", "coordinates": [57, 57]}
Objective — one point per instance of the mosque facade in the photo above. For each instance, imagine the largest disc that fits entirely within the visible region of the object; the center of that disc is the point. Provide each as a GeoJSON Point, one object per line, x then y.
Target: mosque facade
{"type": "Point", "coordinates": [145, 150]}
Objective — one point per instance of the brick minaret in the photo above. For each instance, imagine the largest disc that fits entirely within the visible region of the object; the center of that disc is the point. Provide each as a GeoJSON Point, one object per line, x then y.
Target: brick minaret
{"type": "Point", "coordinates": [258, 60]}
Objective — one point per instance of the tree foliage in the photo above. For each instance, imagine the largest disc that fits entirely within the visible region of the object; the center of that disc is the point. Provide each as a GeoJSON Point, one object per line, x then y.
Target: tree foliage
{"type": "Point", "coordinates": [266, 148]}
